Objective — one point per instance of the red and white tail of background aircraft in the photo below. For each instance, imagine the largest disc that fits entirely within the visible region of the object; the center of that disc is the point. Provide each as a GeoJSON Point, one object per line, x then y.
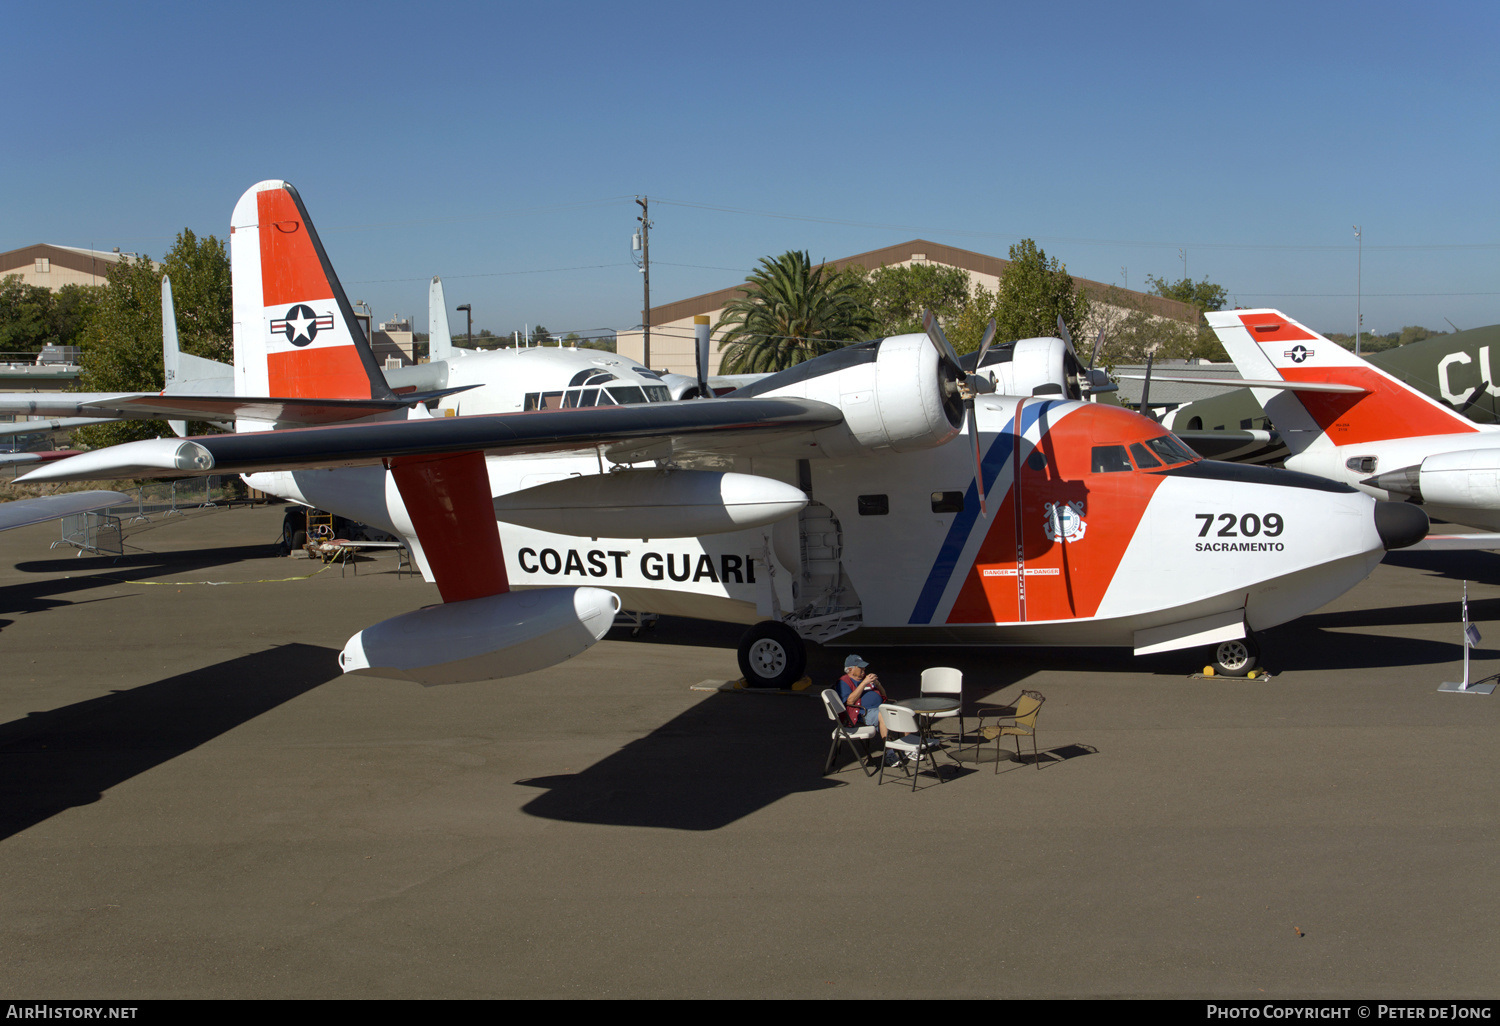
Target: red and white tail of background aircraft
{"type": "Point", "coordinates": [1379, 435]}
{"type": "Point", "coordinates": [868, 494]}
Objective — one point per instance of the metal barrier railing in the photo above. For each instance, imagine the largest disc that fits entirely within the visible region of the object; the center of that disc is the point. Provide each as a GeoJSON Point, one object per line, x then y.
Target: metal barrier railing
{"type": "Point", "coordinates": [98, 533]}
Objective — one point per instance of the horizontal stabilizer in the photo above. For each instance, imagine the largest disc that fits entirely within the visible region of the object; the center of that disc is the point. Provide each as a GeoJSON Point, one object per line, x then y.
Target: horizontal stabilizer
{"type": "Point", "coordinates": [280, 410]}
{"type": "Point", "coordinates": [1289, 386]}
{"type": "Point", "coordinates": [24, 512]}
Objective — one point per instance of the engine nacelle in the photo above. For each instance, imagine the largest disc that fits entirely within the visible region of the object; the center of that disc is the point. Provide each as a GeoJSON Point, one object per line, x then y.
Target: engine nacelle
{"type": "Point", "coordinates": [1033, 366]}
{"type": "Point", "coordinates": [896, 395]}
{"type": "Point", "coordinates": [651, 504]}
{"type": "Point", "coordinates": [1467, 479]}
{"type": "Point", "coordinates": [484, 638]}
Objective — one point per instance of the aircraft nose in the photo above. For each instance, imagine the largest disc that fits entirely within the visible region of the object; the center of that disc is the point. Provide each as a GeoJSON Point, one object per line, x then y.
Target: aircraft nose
{"type": "Point", "coordinates": [1399, 524]}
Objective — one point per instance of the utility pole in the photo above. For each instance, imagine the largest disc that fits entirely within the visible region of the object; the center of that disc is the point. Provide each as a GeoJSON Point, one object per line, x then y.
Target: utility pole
{"type": "Point", "coordinates": [1183, 253]}
{"type": "Point", "coordinates": [1359, 290]}
{"type": "Point", "coordinates": [641, 201]}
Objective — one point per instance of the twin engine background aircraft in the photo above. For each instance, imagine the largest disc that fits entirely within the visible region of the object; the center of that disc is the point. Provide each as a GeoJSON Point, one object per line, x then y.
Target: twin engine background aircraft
{"type": "Point", "coordinates": [1380, 434]}
{"type": "Point", "coordinates": [876, 493]}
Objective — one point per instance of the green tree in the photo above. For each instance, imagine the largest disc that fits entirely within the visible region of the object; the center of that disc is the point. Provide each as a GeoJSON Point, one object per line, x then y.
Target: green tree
{"type": "Point", "coordinates": [790, 311]}
{"type": "Point", "coordinates": [1032, 292]}
{"type": "Point", "coordinates": [1205, 295]}
{"type": "Point", "coordinates": [202, 293]}
{"type": "Point", "coordinates": [122, 343]}
{"type": "Point", "coordinates": [898, 295]}
{"type": "Point", "coordinates": [32, 316]}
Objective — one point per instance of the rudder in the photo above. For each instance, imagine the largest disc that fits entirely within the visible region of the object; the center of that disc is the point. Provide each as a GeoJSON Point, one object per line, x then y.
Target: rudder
{"type": "Point", "coordinates": [295, 335]}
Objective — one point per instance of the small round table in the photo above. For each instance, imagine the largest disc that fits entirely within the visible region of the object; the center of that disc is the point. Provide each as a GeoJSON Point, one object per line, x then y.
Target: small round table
{"type": "Point", "coordinates": [929, 706]}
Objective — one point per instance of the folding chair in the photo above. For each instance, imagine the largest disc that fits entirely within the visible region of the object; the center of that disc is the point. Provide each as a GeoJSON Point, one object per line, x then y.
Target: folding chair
{"type": "Point", "coordinates": [899, 723]}
{"type": "Point", "coordinates": [945, 680]}
{"type": "Point", "coordinates": [834, 706]}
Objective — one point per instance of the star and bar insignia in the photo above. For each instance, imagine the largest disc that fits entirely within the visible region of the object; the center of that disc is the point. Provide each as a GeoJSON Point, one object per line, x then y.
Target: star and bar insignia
{"type": "Point", "coordinates": [301, 324]}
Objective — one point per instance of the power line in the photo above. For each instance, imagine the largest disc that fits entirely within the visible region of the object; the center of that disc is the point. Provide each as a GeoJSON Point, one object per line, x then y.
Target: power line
{"type": "Point", "coordinates": [969, 233]}
{"type": "Point", "coordinates": [489, 274]}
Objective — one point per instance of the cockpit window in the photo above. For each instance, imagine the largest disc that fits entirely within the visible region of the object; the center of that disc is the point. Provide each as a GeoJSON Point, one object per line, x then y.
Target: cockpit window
{"type": "Point", "coordinates": [580, 377]}
{"type": "Point", "coordinates": [627, 394]}
{"type": "Point", "coordinates": [1171, 449]}
{"type": "Point", "coordinates": [1143, 459]}
{"type": "Point", "coordinates": [1109, 459]}
{"type": "Point", "coordinates": [658, 394]}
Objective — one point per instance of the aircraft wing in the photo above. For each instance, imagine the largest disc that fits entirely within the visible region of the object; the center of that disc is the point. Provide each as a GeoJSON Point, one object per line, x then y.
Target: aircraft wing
{"type": "Point", "coordinates": [623, 434]}
{"type": "Point", "coordinates": [162, 406]}
{"type": "Point", "coordinates": [1288, 386]}
{"type": "Point", "coordinates": [10, 459]}
{"type": "Point", "coordinates": [1243, 446]}
{"type": "Point", "coordinates": [1456, 543]}
{"type": "Point", "coordinates": [24, 512]}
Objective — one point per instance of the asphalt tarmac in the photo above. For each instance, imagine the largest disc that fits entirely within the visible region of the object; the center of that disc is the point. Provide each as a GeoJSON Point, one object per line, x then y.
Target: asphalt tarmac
{"type": "Point", "coordinates": [194, 803]}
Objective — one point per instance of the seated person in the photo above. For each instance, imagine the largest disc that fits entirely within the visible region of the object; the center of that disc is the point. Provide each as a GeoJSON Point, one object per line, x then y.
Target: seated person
{"type": "Point", "coordinates": [863, 694]}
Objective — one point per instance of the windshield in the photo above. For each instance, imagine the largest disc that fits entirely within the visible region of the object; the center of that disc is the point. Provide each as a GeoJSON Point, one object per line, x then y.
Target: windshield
{"type": "Point", "coordinates": [626, 394]}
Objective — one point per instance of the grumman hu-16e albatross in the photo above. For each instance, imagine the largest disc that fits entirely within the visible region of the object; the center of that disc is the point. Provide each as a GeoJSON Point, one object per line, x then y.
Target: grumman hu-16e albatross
{"type": "Point", "coordinates": [875, 492]}
{"type": "Point", "coordinates": [1377, 433]}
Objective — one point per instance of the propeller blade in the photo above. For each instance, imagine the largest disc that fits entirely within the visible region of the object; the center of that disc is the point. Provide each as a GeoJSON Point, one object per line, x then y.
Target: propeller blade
{"type": "Point", "coordinates": [978, 459]}
{"type": "Point", "coordinates": [1145, 406]}
{"type": "Point", "coordinates": [1098, 344]}
{"type": "Point", "coordinates": [984, 343]}
{"type": "Point", "coordinates": [1067, 336]}
{"type": "Point", "coordinates": [944, 347]}
{"type": "Point", "coordinates": [977, 382]}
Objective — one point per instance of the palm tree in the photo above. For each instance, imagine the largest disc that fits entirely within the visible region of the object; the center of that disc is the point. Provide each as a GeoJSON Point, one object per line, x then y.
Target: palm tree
{"type": "Point", "coordinates": [791, 311]}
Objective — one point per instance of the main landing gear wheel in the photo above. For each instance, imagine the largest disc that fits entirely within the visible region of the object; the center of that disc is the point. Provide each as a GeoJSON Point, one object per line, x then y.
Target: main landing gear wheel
{"type": "Point", "coordinates": [1236, 658]}
{"type": "Point", "coordinates": [772, 656]}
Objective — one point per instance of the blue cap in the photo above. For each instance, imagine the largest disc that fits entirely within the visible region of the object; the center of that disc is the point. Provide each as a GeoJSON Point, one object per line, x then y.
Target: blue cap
{"type": "Point", "coordinates": [854, 660]}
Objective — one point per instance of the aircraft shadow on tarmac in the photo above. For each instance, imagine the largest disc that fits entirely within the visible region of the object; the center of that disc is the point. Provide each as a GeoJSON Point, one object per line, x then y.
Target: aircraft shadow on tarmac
{"type": "Point", "coordinates": [733, 754]}
{"type": "Point", "coordinates": [102, 572]}
{"type": "Point", "coordinates": [70, 756]}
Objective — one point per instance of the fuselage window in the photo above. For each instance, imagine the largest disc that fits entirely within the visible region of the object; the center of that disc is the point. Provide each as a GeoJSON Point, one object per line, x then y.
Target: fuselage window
{"type": "Point", "coordinates": [947, 502]}
{"type": "Point", "coordinates": [1110, 459]}
{"type": "Point", "coordinates": [658, 394]}
{"type": "Point", "coordinates": [1036, 461]}
{"type": "Point", "coordinates": [1143, 459]}
{"type": "Point", "coordinates": [874, 505]}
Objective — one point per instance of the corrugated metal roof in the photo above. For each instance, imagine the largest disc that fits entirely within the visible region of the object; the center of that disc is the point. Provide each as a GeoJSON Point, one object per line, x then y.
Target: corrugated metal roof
{"type": "Point", "coordinates": [1172, 391]}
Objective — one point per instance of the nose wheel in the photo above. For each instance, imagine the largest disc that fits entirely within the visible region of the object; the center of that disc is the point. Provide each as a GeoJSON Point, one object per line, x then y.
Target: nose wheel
{"type": "Point", "coordinates": [772, 655]}
{"type": "Point", "coordinates": [1236, 658]}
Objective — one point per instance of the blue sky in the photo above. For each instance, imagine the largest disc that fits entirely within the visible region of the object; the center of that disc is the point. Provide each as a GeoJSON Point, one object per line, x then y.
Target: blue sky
{"type": "Point", "coordinates": [501, 145]}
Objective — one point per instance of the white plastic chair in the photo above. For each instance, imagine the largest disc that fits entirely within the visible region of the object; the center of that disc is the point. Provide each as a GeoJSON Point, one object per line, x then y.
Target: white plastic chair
{"type": "Point", "coordinates": [900, 722]}
{"type": "Point", "coordinates": [834, 706]}
{"type": "Point", "coordinates": [945, 680]}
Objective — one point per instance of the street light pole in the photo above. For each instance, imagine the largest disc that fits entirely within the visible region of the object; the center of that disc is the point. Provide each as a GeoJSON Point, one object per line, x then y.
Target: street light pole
{"type": "Point", "coordinates": [1359, 290]}
{"type": "Point", "coordinates": [469, 325]}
